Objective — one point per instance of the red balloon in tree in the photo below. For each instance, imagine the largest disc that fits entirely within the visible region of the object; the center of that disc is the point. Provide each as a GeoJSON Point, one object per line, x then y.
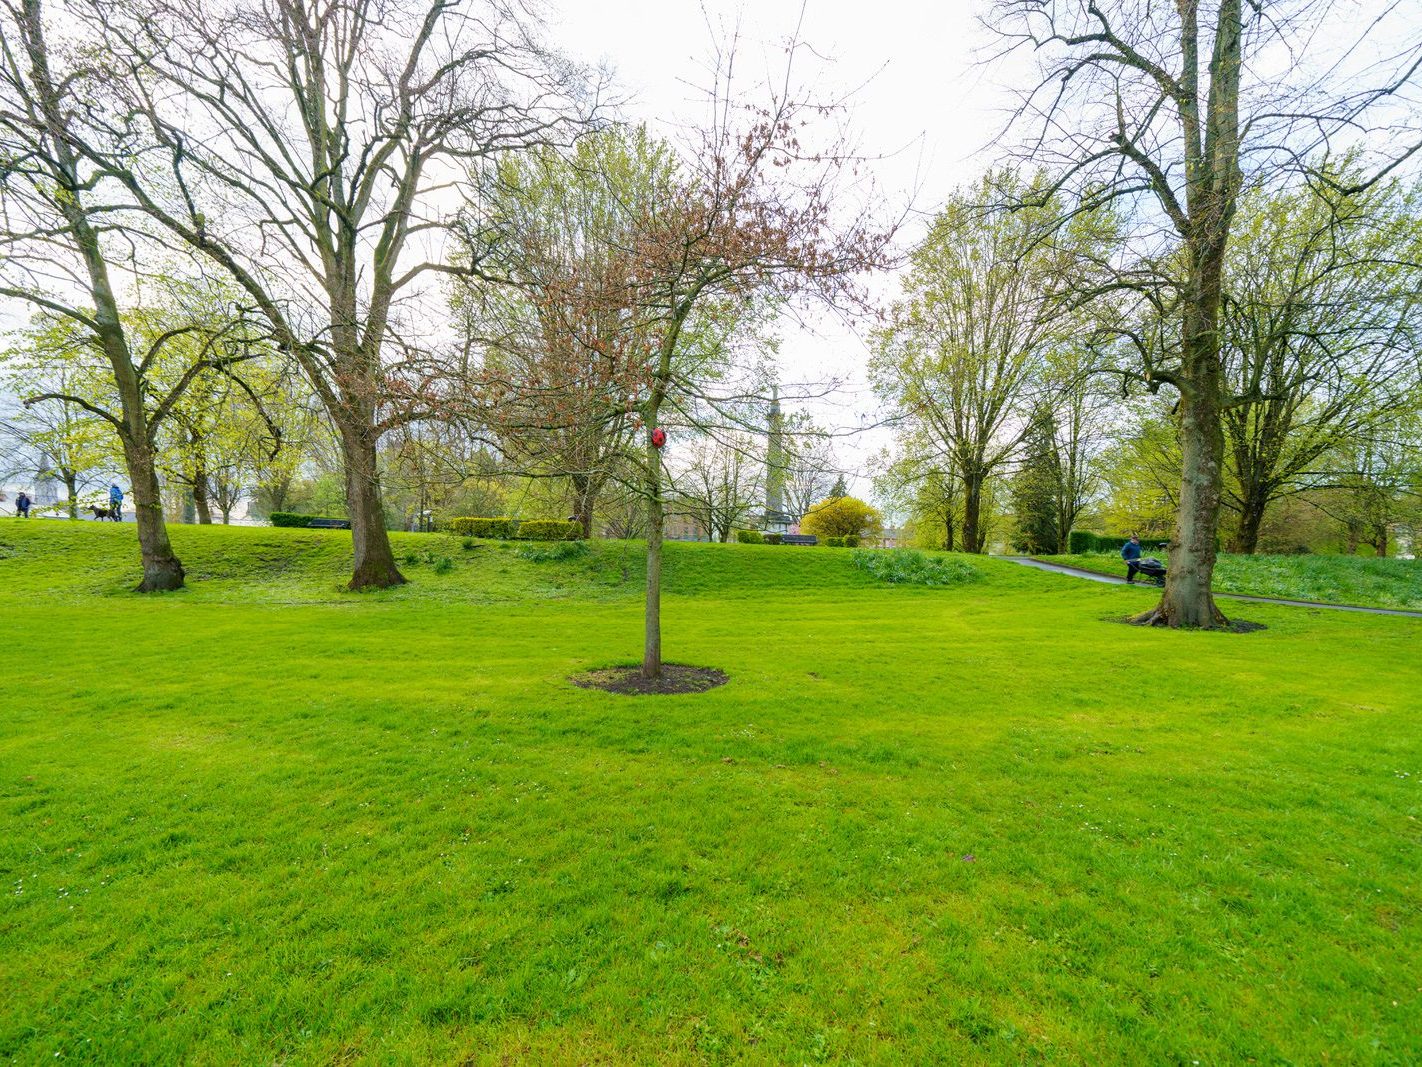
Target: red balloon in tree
{"type": "Point", "coordinates": [659, 437]}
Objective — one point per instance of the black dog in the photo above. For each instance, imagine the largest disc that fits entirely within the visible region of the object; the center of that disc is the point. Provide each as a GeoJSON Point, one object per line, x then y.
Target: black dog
{"type": "Point", "coordinates": [101, 514]}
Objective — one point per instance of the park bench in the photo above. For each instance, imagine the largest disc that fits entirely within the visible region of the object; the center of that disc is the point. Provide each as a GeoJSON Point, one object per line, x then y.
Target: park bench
{"type": "Point", "coordinates": [329, 524]}
{"type": "Point", "coordinates": [799, 539]}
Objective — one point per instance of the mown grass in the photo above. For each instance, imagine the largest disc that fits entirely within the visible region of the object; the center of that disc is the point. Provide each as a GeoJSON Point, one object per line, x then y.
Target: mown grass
{"type": "Point", "coordinates": [1367, 582]}
{"type": "Point", "coordinates": [263, 820]}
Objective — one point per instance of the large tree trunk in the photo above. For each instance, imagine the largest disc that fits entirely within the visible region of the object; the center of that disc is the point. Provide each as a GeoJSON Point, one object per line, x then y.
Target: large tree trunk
{"type": "Point", "coordinates": [1251, 517]}
{"type": "Point", "coordinates": [374, 560]}
{"type": "Point", "coordinates": [1380, 539]}
{"type": "Point", "coordinates": [584, 493]}
{"type": "Point", "coordinates": [201, 503]}
{"type": "Point", "coordinates": [972, 512]}
{"type": "Point", "coordinates": [71, 486]}
{"type": "Point", "coordinates": [1187, 600]}
{"type": "Point", "coordinates": [161, 570]}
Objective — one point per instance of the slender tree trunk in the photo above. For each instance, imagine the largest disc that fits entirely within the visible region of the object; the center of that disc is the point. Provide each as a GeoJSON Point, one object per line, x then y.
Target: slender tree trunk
{"type": "Point", "coordinates": [374, 559]}
{"type": "Point", "coordinates": [652, 643]}
{"type": "Point", "coordinates": [1354, 536]}
{"type": "Point", "coordinates": [71, 486]}
{"type": "Point", "coordinates": [161, 570]}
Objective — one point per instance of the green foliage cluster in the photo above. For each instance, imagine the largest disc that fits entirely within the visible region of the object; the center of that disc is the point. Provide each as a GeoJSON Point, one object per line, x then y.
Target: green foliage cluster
{"type": "Point", "coordinates": [771, 538]}
{"type": "Point", "coordinates": [750, 537]}
{"type": "Point", "coordinates": [549, 530]}
{"type": "Point", "coordinates": [504, 529]}
{"type": "Point", "coordinates": [841, 516]}
{"type": "Point", "coordinates": [908, 566]}
{"type": "Point", "coordinates": [553, 552]}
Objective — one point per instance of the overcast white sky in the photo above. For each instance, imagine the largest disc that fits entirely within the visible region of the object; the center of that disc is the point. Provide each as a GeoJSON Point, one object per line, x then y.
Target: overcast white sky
{"type": "Point", "coordinates": [924, 102]}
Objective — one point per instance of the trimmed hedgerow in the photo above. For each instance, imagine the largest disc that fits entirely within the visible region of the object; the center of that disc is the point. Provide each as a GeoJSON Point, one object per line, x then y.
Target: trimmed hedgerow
{"type": "Point", "coordinates": [833, 542]}
{"type": "Point", "coordinates": [291, 519]}
{"type": "Point", "coordinates": [750, 537]}
{"type": "Point", "coordinates": [907, 566]}
{"type": "Point", "coordinates": [502, 529]}
{"type": "Point", "coordinates": [771, 538]}
{"type": "Point", "coordinates": [851, 540]}
{"type": "Point", "coordinates": [549, 530]}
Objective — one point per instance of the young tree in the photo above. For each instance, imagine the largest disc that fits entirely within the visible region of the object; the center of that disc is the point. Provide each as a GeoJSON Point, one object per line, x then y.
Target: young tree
{"type": "Point", "coordinates": [555, 339]}
{"type": "Point", "coordinates": [1143, 102]}
{"type": "Point", "coordinates": [307, 149]}
{"type": "Point", "coordinates": [752, 219]}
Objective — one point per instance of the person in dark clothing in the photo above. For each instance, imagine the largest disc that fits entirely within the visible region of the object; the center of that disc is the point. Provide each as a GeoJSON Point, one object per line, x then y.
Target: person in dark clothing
{"type": "Point", "coordinates": [116, 502]}
{"type": "Point", "coordinates": [22, 505]}
{"type": "Point", "coordinates": [1131, 553]}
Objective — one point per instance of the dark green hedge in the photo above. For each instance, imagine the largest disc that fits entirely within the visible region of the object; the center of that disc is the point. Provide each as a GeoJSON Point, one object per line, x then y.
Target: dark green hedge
{"type": "Point", "coordinates": [504, 529]}
{"type": "Point", "coordinates": [549, 530]}
{"type": "Point", "coordinates": [750, 537]}
{"type": "Point", "coordinates": [494, 529]}
{"type": "Point", "coordinates": [833, 542]}
{"type": "Point", "coordinates": [771, 538]}
{"type": "Point", "coordinates": [290, 518]}
{"type": "Point", "coordinates": [851, 540]}
{"type": "Point", "coordinates": [1083, 541]}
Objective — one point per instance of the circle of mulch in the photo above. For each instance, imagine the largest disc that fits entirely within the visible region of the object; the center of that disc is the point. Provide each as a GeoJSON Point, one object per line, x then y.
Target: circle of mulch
{"type": "Point", "coordinates": [676, 678]}
{"type": "Point", "coordinates": [1232, 626]}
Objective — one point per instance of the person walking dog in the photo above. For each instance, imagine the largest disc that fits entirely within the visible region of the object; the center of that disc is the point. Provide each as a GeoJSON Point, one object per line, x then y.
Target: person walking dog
{"type": "Point", "coordinates": [1131, 553]}
{"type": "Point", "coordinates": [22, 505]}
{"type": "Point", "coordinates": [116, 503]}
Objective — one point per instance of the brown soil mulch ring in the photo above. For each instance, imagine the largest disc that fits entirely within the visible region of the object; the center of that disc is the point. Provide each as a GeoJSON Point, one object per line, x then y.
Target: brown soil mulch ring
{"type": "Point", "coordinates": [1232, 626]}
{"type": "Point", "coordinates": [676, 678]}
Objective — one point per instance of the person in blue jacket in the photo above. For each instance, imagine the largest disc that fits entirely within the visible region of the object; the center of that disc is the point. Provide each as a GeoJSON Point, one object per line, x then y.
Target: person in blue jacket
{"type": "Point", "coordinates": [1131, 553]}
{"type": "Point", "coordinates": [116, 503]}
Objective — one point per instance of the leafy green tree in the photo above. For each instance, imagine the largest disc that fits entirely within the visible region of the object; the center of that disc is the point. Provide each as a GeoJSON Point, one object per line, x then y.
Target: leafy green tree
{"type": "Point", "coordinates": [842, 516]}
{"type": "Point", "coordinates": [1035, 488]}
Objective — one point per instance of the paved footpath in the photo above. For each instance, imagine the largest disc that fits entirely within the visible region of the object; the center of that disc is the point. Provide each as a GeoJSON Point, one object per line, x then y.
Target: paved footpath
{"type": "Point", "coordinates": [1108, 579]}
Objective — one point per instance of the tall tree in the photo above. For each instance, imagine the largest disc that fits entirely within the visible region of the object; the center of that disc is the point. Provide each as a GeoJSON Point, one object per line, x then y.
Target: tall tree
{"type": "Point", "coordinates": [967, 347]}
{"type": "Point", "coordinates": [65, 254]}
{"type": "Point", "coordinates": [1141, 102]}
{"type": "Point", "coordinates": [307, 149]}
{"type": "Point", "coordinates": [1321, 329]}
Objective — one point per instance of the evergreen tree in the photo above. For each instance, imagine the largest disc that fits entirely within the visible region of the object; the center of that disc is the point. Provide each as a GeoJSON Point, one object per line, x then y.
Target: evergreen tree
{"type": "Point", "coordinates": [1036, 487]}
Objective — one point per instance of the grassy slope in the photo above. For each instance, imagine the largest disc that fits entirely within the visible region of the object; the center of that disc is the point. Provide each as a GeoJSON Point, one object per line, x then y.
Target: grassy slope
{"type": "Point", "coordinates": [265, 820]}
{"type": "Point", "coordinates": [1382, 583]}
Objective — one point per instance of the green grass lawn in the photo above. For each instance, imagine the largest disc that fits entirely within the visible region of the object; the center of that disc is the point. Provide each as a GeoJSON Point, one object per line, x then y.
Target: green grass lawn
{"type": "Point", "coordinates": [1368, 582]}
{"type": "Point", "coordinates": [265, 821]}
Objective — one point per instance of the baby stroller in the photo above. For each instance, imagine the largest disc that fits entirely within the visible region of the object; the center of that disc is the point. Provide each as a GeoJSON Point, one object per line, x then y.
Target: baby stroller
{"type": "Point", "coordinates": [1153, 569]}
